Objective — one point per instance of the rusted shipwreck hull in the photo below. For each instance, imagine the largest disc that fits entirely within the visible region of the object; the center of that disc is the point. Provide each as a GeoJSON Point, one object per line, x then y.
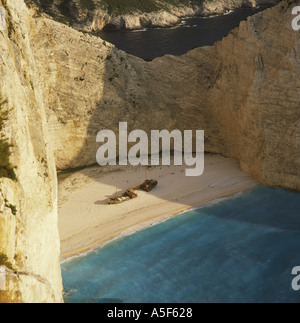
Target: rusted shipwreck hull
{"type": "Point", "coordinates": [148, 185]}
{"type": "Point", "coordinates": [130, 194]}
{"type": "Point", "coordinates": [126, 196]}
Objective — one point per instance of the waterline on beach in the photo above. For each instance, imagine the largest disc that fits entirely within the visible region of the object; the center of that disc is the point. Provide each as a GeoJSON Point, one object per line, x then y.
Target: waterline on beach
{"type": "Point", "coordinates": [87, 221]}
{"type": "Point", "coordinates": [153, 222]}
{"type": "Point", "coordinates": [241, 249]}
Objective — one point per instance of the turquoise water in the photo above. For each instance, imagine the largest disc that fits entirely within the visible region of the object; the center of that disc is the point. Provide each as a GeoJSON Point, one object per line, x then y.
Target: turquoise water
{"type": "Point", "coordinates": [240, 250]}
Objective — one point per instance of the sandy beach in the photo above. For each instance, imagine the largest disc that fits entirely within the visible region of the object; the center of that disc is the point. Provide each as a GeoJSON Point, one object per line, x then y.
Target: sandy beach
{"type": "Point", "coordinates": [87, 222]}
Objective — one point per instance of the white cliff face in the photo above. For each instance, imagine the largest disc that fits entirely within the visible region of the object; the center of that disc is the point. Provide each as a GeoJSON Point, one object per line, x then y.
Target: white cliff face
{"type": "Point", "coordinates": [29, 238]}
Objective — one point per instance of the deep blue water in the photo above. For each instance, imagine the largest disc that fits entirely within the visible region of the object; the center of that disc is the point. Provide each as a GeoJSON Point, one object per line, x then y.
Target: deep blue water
{"type": "Point", "coordinates": [240, 250]}
{"type": "Point", "coordinates": [193, 32]}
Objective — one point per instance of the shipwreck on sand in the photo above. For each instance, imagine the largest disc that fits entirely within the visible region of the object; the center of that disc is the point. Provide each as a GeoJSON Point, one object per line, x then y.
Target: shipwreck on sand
{"type": "Point", "coordinates": [130, 194]}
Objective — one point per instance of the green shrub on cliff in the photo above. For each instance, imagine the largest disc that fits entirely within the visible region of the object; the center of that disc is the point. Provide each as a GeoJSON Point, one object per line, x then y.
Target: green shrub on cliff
{"type": "Point", "coordinates": [4, 261]}
{"type": "Point", "coordinates": [67, 10]}
{"type": "Point", "coordinates": [88, 4]}
{"type": "Point", "coordinates": [130, 6]}
{"type": "Point", "coordinates": [6, 169]}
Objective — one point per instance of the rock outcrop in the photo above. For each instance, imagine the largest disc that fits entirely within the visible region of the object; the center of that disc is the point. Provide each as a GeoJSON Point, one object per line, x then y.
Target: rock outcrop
{"type": "Point", "coordinates": [219, 7]}
{"type": "Point", "coordinates": [29, 240]}
{"type": "Point", "coordinates": [95, 15]}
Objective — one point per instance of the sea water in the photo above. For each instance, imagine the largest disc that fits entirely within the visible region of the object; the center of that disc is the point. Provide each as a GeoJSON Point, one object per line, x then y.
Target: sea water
{"type": "Point", "coordinates": [192, 32]}
{"type": "Point", "coordinates": [239, 250]}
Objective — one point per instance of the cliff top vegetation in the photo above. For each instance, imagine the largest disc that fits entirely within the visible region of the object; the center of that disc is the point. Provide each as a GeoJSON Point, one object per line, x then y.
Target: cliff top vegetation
{"type": "Point", "coordinates": [70, 8]}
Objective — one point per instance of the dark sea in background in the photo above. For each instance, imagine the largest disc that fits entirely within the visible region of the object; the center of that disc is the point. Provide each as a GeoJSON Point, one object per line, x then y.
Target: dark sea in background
{"type": "Point", "coordinates": [193, 32]}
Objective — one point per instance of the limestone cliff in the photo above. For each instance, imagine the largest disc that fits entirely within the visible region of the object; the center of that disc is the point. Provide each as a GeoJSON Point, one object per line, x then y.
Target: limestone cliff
{"type": "Point", "coordinates": [243, 92]}
{"type": "Point", "coordinates": [29, 241]}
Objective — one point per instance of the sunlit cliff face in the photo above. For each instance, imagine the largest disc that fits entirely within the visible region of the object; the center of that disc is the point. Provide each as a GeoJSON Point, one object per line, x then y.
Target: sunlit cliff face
{"type": "Point", "coordinates": [29, 241]}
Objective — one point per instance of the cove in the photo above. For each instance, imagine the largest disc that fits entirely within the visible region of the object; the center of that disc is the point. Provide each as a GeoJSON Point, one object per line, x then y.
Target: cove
{"type": "Point", "coordinates": [192, 32]}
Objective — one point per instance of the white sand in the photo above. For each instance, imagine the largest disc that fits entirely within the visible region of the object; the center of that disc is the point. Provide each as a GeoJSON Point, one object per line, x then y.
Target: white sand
{"type": "Point", "coordinates": [86, 221]}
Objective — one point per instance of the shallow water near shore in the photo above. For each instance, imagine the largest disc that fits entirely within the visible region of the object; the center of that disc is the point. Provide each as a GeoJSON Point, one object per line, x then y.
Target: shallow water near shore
{"type": "Point", "coordinates": [239, 250]}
